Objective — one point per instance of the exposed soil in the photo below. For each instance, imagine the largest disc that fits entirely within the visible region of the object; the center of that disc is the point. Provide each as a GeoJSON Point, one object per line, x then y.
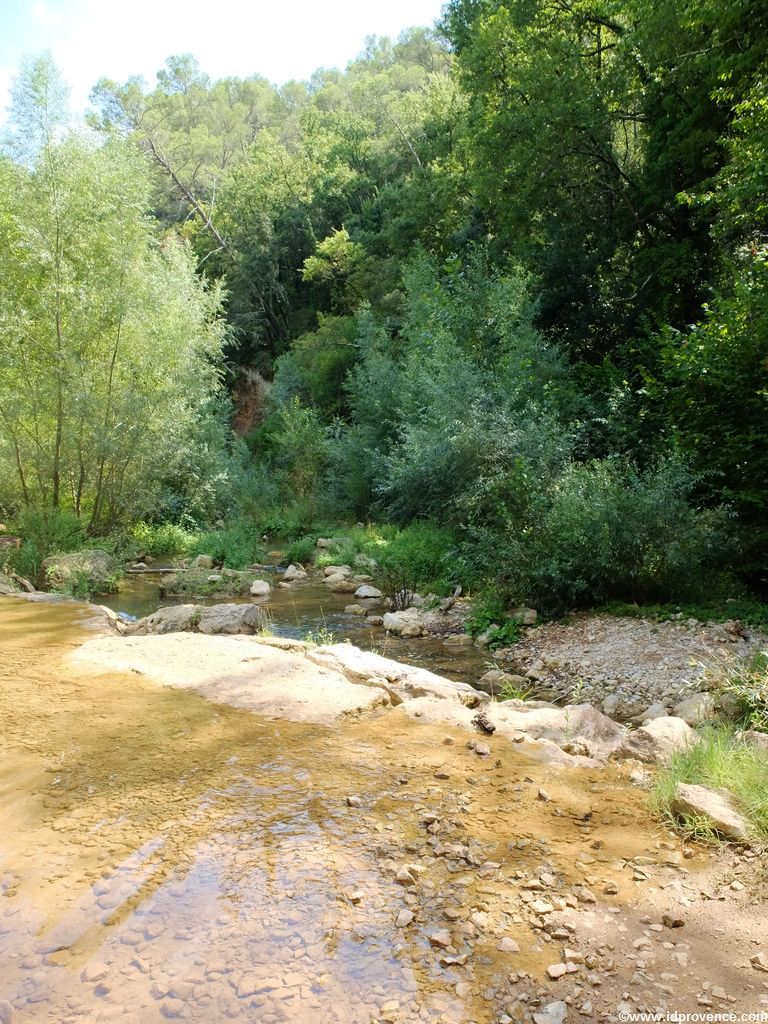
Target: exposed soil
{"type": "Point", "coordinates": [162, 856]}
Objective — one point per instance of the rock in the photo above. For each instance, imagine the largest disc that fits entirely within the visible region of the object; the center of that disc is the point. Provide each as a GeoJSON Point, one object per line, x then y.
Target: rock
{"type": "Point", "coordinates": [755, 739]}
{"type": "Point", "coordinates": [342, 586]}
{"type": "Point", "coordinates": [366, 591]}
{"type": "Point", "coordinates": [6, 1012]}
{"type": "Point", "coordinates": [610, 889]}
{"type": "Point", "coordinates": [543, 795]}
{"type": "Point", "coordinates": [219, 619]}
{"type": "Point", "coordinates": [458, 640]}
{"type": "Point", "coordinates": [556, 971]}
{"type": "Point", "coordinates": [396, 622]}
{"type": "Point", "coordinates": [695, 709]}
{"type": "Point", "coordinates": [507, 945]}
{"type": "Point", "coordinates": [657, 710]}
{"type": "Point", "coordinates": [375, 620]}
{"type": "Point", "coordinates": [404, 918]}
{"type": "Point", "coordinates": [214, 578]}
{"type": "Point", "coordinates": [760, 962]}
{"type": "Point", "coordinates": [525, 616]}
{"type": "Point", "coordinates": [404, 876]}
{"type": "Point", "coordinates": [552, 1013]}
{"type": "Point", "coordinates": [412, 629]}
{"type": "Point", "coordinates": [354, 801]}
{"type": "Point", "coordinates": [440, 938]}
{"type": "Point", "coordinates": [611, 705]}
{"type": "Point", "coordinates": [260, 588]}
{"type": "Point", "coordinates": [203, 562]}
{"type": "Point", "coordinates": [172, 1008]}
{"type": "Point", "coordinates": [577, 722]}
{"type": "Point", "coordinates": [177, 618]}
{"type": "Point", "coordinates": [658, 740]}
{"type": "Point", "coordinates": [715, 805]}
{"type": "Point", "coordinates": [337, 570]}
{"type": "Point", "coordinates": [294, 573]}
{"type": "Point", "coordinates": [482, 750]}
{"type": "Point", "coordinates": [324, 543]}
{"type": "Point", "coordinates": [671, 921]}
{"type": "Point", "coordinates": [494, 681]}
{"type": "Point", "coordinates": [94, 567]}
{"type": "Point", "coordinates": [354, 609]}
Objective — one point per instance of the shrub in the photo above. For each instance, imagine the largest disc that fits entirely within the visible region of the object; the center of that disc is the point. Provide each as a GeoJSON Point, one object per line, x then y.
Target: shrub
{"type": "Point", "coordinates": [236, 545]}
{"type": "Point", "coordinates": [747, 688]}
{"type": "Point", "coordinates": [162, 538]}
{"type": "Point", "coordinates": [719, 760]}
{"type": "Point", "coordinates": [301, 550]}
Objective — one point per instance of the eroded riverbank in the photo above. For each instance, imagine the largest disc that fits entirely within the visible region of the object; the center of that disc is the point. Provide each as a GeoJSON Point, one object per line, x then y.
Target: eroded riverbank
{"type": "Point", "coordinates": [164, 856]}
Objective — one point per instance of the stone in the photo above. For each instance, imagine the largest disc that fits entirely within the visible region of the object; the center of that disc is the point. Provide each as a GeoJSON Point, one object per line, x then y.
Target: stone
{"type": "Point", "coordinates": [552, 1013]}
{"type": "Point", "coordinates": [458, 640]}
{"type": "Point", "coordinates": [294, 573]}
{"type": "Point", "coordinates": [716, 805]}
{"type": "Point", "coordinates": [172, 1008]}
{"type": "Point", "coordinates": [760, 962]}
{"type": "Point", "coordinates": [337, 570]}
{"type": "Point", "coordinates": [367, 591]}
{"type": "Point", "coordinates": [203, 562]}
{"type": "Point", "coordinates": [657, 710]}
{"type": "Point", "coordinates": [525, 616]}
{"type": "Point", "coordinates": [507, 945]}
{"type": "Point", "coordinates": [354, 609]}
{"type": "Point", "coordinates": [404, 918]}
{"type": "Point", "coordinates": [494, 681]}
{"type": "Point", "coordinates": [215, 577]}
{"type": "Point", "coordinates": [440, 938]}
{"type": "Point", "coordinates": [404, 876]}
{"type": "Point", "coordinates": [543, 795]}
{"type": "Point", "coordinates": [94, 566]}
{"type": "Point", "coordinates": [555, 971]}
{"type": "Point", "coordinates": [354, 801]}
{"type": "Point", "coordinates": [396, 622]}
{"type": "Point", "coordinates": [6, 1012]}
{"type": "Point", "coordinates": [324, 543]}
{"type": "Point", "coordinates": [342, 586]}
{"type": "Point", "coordinates": [176, 618]}
{"type": "Point", "coordinates": [260, 588]}
{"type": "Point", "coordinates": [697, 708]}
{"type": "Point", "coordinates": [672, 921]}
{"type": "Point", "coordinates": [412, 629]}
{"type": "Point", "coordinates": [755, 739]}
{"type": "Point", "coordinates": [577, 722]}
{"type": "Point", "coordinates": [658, 740]}
{"type": "Point", "coordinates": [482, 750]}
{"type": "Point", "coordinates": [229, 619]}
{"type": "Point", "coordinates": [375, 620]}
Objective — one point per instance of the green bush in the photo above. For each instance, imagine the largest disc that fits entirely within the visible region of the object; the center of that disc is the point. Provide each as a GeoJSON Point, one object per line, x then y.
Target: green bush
{"type": "Point", "coordinates": [237, 545]}
{"type": "Point", "coordinates": [162, 538]}
{"type": "Point", "coordinates": [489, 610]}
{"type": "Point", "coordinates": [720, 760]}
{"type": "Point", "coordinates": [746, 687]}
{"type": "Point", "coordinates": [301, 550]}
{"type": "Point", "coordinates": [44, 532]}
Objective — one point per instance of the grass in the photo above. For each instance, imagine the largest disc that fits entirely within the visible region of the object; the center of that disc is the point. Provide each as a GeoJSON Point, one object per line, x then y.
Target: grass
{"type": "Point", "coordinates": [745, 687]}
{"type": "Point", "coordinates": [719, 760]}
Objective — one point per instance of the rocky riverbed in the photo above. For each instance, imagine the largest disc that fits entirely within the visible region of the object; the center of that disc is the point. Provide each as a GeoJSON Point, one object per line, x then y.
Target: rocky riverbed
{"type": "Point", "coordinates": [197, 861]}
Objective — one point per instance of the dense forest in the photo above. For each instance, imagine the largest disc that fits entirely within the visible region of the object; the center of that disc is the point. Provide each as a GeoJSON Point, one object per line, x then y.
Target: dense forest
{"type": "Point", "coordinates": [499, 287]}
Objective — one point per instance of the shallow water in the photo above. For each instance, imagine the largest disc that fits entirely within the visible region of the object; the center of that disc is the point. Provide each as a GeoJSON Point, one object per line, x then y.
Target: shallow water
{"type": "Point", "coordinates": [311, 607]}
{"type": "Point", "coordinates": [162, 856]}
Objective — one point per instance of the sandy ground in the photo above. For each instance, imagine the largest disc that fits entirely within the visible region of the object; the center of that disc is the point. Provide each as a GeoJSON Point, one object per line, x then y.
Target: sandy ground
{"type": "Point", "coordinates": [162, 856]}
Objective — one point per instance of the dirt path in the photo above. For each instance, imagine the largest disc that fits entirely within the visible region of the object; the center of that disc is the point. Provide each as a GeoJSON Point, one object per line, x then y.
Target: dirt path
{"type": "Point", "coordinates": [165, 857]}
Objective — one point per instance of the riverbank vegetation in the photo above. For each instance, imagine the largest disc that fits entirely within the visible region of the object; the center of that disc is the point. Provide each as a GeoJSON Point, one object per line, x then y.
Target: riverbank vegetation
{"type": "Point", "coordinates": [498, 291]}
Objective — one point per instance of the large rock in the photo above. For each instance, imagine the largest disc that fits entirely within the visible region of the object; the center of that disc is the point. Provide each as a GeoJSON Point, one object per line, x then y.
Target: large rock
{"type": "Point", "coordinates": [243, 671]}
{"type": "Point", "coordinates": [397, 622]}
{"type": "Point", "coordinates": [578, 722]}
{"type": "Point", "coordinates": [94, 569]}
{"type": "Point", "coordinates": [176, 618]}
{"type": "Point", "coordinates": [294, 573]}
{"type": "Point", "coordinates": [260, 588]}
{"type": "Point", "coordinates": [337, 570]}
{"type": "Point", "coordinates": [367, 591]}
{"type": "Point", "coordinates": [758, 740]}
{"type": "Point", "coordinates": [658, 740]}
{"type": "Point", "coordinates": [402, 682]}
{"type": "Point", "coordinates": [695, 709]}
{"type": "Point", "coordinates": [203, 562]}
{"type": "Point", "coordinates": [714, 805]}
{"type": "Point", "coordinates": [494, 681]}
{"type": "Point", "coordinates": [232, 618]}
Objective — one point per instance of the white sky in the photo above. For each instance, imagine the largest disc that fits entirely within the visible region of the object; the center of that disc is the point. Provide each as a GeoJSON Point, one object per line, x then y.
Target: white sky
{"type": "Point", "coordinates": [281, 40]}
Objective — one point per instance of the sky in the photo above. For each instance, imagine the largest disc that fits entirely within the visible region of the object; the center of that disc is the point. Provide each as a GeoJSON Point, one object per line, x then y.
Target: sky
{"type": "Point", "coordinates": [280, 39]}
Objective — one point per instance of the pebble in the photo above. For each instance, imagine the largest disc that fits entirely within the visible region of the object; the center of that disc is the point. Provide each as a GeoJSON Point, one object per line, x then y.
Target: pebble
{"type": "Point", "coordinates": [543, 795]}
{"type": "Point", "coordinates": [507, 945]}
{"type": "Point", "coordinates": [671, 921]}
{"type": "Point", "coordinates": [440, 938]}
{"type": "Point", "coordinates": [354, 801]}
{"type": "Point", "coordinates": [556, 971]}
{"type": "Point", "coordinates": [404, 918]}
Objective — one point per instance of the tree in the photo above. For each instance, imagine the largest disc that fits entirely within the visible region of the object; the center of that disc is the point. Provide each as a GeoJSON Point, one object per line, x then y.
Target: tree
{"type": "Point", "coordinates": [109, 341]}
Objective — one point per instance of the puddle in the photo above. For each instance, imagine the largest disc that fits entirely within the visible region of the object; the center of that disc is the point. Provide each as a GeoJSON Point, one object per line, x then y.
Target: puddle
{"type": "Point", "coordinates": [163, 857]}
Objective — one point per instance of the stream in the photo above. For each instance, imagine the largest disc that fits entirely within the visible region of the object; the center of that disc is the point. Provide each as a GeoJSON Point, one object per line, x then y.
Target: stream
{"type": "Point", "coordinates": [311, 607]}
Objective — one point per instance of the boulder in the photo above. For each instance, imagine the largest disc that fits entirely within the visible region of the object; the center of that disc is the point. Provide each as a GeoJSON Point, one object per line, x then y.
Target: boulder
{"type": "Point", "coordinates": [324, 543]}
{"type": "Point", "coordinates": [714, 805]}
{"type": "Point", "coordinates": [354, 609]}
{"type": "Point", "coordinates": [93, 567]}
{"type": "Point", "coordinates": [458, 640]}
{"type": "Point", "coordinates": [525, 616]}
{"type": "Point", "coordinates": [337, 570]}
{"type": "Point", "coordinates": [396, 622]}
{"type": "Point", "coordinates": [656, 710]}
{"type": "Point", "coordinates": [695, 709]}
{"type": "Point", "coordinates": [658, 740]}
{"type": "Point", "coordinates": [412, 629]}
{"type": "Point", "coordinates": [367, 591]}
{"type": "Point", "coordinates": [759, 740]}
{"type": "Point", "coordinates": [232, 618]}
{"type": "Point", "coordinates": [342, 586]}
{"type": "Point", "coordinates": [194, 583]}
{"type": "Point", "coordinates": [495, 680]}
{"type": "Point", "coordinates": [581, 724]}
{"type": "Point", "coordinates": [260, 588]}
{"type": "Point", "coordinates": [176, 618]}
{"type": "Point", "coordinates": [203, 562]}
{"type": "Point", "coordinates": [293, 573]}
{"type": "Point", "coordinates": [375, 620]}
